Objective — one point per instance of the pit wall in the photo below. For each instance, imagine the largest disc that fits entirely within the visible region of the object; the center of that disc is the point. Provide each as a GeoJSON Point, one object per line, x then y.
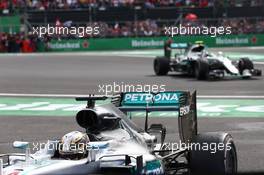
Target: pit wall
{"type": "Point", "coordinates": [98, 44]}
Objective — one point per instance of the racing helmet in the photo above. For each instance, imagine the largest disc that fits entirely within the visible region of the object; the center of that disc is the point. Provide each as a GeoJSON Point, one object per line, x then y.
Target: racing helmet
{"type": "Point", "coordinates": [74, 145]}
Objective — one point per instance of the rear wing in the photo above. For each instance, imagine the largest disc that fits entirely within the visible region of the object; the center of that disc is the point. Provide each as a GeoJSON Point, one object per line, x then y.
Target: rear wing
{"type": "Point", "coordinates": [182, 102]}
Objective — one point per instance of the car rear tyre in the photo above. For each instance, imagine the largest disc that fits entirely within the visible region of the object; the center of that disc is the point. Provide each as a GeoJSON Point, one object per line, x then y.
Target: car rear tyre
{"type": "Point", "coordinates": [244, 63]}
{"type": "Point", "coordinates": [201, 69]}
{"type": "Point", "coordinates": [219, 159]}
{"type": "Point", "coordinates": [161, 66]}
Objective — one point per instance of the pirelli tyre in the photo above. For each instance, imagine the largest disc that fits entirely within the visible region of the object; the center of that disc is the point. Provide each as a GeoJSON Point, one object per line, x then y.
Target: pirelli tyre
{"type": "Point", "coordinates": [201, 69]}
{"type": "Point", "coordinates": [161, 65]}
{"type": "Point", "coordinates": [213, 153]}
{"type": "Point", "coordinates": [245, 63]}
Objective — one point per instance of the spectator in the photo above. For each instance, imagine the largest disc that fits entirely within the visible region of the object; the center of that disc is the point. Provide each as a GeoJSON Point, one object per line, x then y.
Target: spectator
{"type": "Point", "coordinates": [15, 43]}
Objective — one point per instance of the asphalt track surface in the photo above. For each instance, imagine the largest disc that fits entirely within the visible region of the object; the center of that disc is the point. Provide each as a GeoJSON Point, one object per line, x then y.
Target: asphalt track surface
{"type": "Point", "coordinates": [80, 74]}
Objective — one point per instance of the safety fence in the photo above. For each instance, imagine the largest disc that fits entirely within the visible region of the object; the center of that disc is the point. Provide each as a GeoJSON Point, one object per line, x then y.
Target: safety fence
{"type": "Point", "coordinates": [95, 44]}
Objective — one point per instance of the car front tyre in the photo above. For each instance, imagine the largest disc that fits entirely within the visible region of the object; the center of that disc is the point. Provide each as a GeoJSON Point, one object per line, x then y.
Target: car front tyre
{"type": "Point", "coordinates": [161, 66]}
{"type": "Point", "coordinates": [243, 64]}
{"type": "Point", "coordinates": [202, 69]}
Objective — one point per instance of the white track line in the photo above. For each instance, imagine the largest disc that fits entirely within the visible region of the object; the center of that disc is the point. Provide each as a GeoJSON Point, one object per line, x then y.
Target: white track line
{"type": "Point", "coordinates": [103, 53]}
{"type": "Point", "coordinates": [257, 62]}
{"type": "Point", "coordinates": [256, 48]}
{"type": "Point", "coordinates": [78, 95]}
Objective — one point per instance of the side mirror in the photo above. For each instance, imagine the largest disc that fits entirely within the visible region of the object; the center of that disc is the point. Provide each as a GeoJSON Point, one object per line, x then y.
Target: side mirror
{"type": "Point", "coordinates": [24, 146]}
{"type": "Point", "coordinates": [20, 144]}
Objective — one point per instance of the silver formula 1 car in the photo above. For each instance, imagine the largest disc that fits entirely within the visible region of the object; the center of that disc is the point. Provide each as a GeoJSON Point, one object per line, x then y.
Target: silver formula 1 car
{"type": "Point", "coordinates": [196, 61]}
{"type": "Point", "coordinates": [117, 145]}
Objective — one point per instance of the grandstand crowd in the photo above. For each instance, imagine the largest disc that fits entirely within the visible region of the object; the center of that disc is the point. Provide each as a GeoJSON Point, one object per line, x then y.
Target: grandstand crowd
{"type": "Point", "coordinates": [26, 42]}
{"type": "Point", "coordinates": [156, 28]}
{"type": "Point", "coordinates": [15, 43]}
{"type": "Point", "coordinates": [71, 4]}
{"type": "Point", "coordinates": [29, 43]}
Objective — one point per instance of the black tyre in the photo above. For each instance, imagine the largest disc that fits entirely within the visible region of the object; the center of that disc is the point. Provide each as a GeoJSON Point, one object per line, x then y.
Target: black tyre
{"type": "Point", "coordinates": [244, 63]}
{"type": "Point", "coordinates": [161, 66]}
{"type": "Point", "coordinates": [220, 159]}
{"type": "Point", "coordinates": [201, 69]}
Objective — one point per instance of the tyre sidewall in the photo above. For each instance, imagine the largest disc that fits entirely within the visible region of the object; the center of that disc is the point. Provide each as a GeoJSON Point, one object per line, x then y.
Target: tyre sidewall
{"type": "Point", "coordinates": [204, 162]}
{"type": "Point", "coordinates": [161, 65]}
{"type": "Point", "coordinates": [244, 63]}
{"type": "Point", "coordinates": [201, 69]}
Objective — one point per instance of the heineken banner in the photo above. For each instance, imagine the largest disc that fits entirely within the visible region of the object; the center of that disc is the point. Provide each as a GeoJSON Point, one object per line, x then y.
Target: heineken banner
{"type": "Point", "coordinates": [152, 42]}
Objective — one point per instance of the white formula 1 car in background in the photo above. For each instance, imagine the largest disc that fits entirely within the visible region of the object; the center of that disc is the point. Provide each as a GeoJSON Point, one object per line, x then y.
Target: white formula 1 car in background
{"type": "Point", "coordinates": [195, 60]}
